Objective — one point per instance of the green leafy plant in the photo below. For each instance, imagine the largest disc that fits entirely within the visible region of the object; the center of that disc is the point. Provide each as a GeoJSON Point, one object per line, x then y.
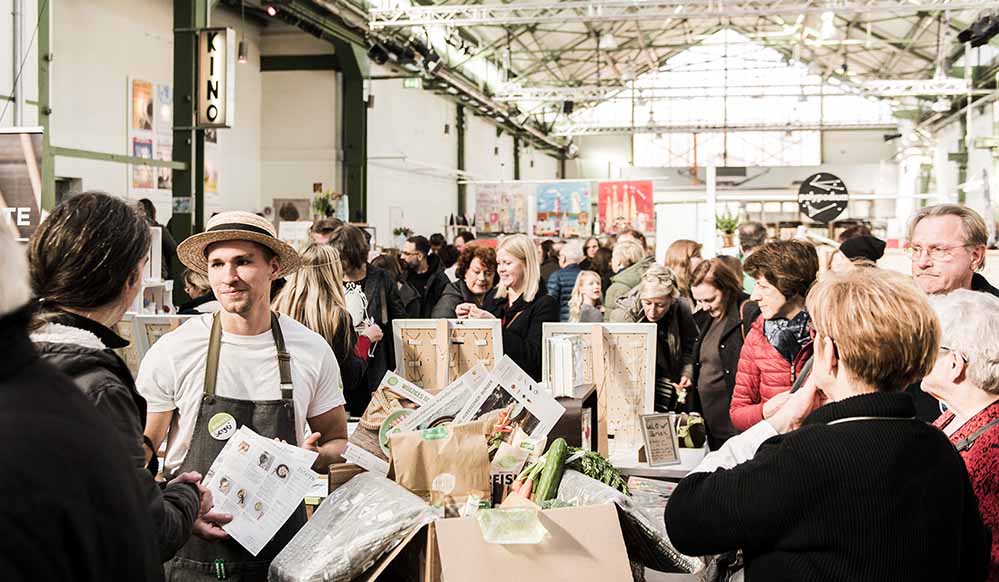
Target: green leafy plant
{"type": "Point", "coordinates": [726, 223]}
{"type": "Point", "coordinates": [323, 205]}
{"type": "Point", "coordinates": [402, 231]}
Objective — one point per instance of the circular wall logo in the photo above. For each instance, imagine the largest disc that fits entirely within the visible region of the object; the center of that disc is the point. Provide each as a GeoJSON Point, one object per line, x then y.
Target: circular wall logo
{"type": "Point", "coordinates": [822, 197]}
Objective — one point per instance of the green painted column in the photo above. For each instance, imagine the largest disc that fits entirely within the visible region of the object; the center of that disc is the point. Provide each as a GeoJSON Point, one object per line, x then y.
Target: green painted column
{"type": "Point", "coordinates": [45, 104]}
{"type": "Point", "coordinates": [188, 143]}
{"type": "Point", "coordinates": [353, 60]}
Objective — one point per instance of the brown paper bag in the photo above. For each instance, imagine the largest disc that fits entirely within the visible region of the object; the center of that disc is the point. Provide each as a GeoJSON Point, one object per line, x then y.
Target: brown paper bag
{"type": "Point", "coordinates": [443, 465]}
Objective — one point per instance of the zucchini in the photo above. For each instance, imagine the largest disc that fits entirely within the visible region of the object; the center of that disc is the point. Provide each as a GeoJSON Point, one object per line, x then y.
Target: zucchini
{"type": "Point", "coordinates": [551, 475]}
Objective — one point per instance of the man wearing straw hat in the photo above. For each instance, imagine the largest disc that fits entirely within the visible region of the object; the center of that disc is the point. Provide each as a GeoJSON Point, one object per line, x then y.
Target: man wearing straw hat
{"type": "Point", "coordinates": [244, 365]}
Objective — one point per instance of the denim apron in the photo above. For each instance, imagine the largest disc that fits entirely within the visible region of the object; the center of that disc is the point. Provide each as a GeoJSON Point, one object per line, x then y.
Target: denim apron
{"type": "Point", "coordinates": [200, 560]}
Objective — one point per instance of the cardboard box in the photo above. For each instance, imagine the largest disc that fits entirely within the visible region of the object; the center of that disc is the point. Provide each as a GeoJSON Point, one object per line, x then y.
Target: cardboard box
{"type": "Point", "coordinates": [584, 544]}
{"type": "Point", "coordinates": [340, 473]}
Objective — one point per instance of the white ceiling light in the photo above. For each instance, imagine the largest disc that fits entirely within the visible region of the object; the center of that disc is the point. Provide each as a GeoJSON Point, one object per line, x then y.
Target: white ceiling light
{"type": "Point", "coordinates": [941, 105]}
{"type": "Point", "coordinates": [828, 25]}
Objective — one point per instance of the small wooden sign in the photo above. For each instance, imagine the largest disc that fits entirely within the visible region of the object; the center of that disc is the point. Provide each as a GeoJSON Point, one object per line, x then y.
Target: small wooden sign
{"type": "Point", "coordinates": [661, 444]}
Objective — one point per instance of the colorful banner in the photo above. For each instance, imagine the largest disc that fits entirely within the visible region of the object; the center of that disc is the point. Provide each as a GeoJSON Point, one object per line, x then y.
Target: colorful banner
{"type": "Point", "coordinates": [626, 205]}
{"type": "Point", "coordinates": [563, 209]}
{"type": "Point", "coordinates": [501, 208]}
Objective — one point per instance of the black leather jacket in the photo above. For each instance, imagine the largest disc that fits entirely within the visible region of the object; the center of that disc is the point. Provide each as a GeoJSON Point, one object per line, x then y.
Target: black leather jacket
{"type": "Point", "coordinates": [73, 345]}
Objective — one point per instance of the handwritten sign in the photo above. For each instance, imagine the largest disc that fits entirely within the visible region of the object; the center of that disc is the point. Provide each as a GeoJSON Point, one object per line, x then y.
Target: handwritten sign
{"type": "Point", "coordinates": [661, 445]}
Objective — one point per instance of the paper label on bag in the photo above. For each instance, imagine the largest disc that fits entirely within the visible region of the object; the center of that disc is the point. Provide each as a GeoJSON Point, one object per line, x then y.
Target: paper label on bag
{"type": "Point", "coordinates": [222, 426]}
{"type": "Point", "coordinates": [444, 483]}
{"type": "Point", "coordinates": [437, 433]}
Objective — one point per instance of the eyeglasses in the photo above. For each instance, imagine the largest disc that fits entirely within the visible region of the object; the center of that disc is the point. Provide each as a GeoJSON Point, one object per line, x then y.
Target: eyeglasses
{"type": "Point", "coordinates": [937, 254]}
{"type": "Point", "coordinates": [955, 352]}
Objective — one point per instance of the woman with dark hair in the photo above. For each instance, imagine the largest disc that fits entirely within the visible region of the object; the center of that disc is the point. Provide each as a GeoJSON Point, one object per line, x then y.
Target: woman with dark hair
{"type": "Point", "coordinates": [86, 264]}
{"type": "Point", "coordinates": [779, 344]}
{"type": "Point", "coordinates": [724, 317]}
{"type": "Point", "coordinates": [389, 262]}
{"type": "Point", "coordinates": [168, 246]}
{"type": "Point", "coordinates": [590, 248]}
{"type": "Point", "coordinates": [476, 277]}
{"type": "Point", "coordinates": [371, 297]}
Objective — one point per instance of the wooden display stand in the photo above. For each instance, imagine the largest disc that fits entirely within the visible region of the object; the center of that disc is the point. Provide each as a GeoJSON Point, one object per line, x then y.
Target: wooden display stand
{"type": "Point", "coordinates": [621, 362]}
{"type": "Point", "coordinates": [142, 331]}
{"type": "Point", "coordinates": [434, 353]}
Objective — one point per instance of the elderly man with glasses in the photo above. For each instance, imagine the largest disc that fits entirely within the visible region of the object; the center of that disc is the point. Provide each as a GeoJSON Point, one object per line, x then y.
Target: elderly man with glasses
{"type": "Point", "coordinates": [947, 245]}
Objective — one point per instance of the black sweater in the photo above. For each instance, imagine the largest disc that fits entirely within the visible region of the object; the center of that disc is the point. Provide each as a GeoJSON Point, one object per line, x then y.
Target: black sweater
{"type": "Point", "coordinates": [522, 327]}
{"type": "Point", "coordinates": [72, 507]}
{"type": "Point", "coordinates": [864, 500]}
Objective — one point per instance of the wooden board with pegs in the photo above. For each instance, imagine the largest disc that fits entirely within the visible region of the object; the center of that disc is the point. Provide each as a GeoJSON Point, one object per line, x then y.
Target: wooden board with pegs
{"type": "Point", "coordinates": [621, 362]}
{"type": "Point", "coordinates": [433, 353]}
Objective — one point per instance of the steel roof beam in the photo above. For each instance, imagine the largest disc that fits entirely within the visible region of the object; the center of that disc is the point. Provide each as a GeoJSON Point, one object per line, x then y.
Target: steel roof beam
{"type": "Point", "coordinates": [624, 10]}
{"type": "Point", "coordinates": [579, 130]}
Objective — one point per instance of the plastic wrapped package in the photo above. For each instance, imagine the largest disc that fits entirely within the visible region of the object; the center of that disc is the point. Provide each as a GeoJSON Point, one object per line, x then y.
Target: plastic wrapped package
{"type": "Point", "coordinates": [645, 539]}
{"type": "Point", "coordinates": [356, 525]}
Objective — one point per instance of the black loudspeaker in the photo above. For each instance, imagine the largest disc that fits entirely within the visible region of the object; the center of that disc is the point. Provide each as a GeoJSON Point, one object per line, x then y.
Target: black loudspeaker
{"type": "Point", "coordinates": [568, 107]}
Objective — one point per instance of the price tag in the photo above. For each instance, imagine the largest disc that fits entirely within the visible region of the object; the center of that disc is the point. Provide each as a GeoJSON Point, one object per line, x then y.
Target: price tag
{"type": "Point", "coordinates": [222, 426]}
{"type": "Point", "coordinates": [661, 444]}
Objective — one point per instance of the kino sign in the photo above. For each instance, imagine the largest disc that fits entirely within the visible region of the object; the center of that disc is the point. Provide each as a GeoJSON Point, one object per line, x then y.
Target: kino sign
{"type": "Point", "coordinates": [216, 77]}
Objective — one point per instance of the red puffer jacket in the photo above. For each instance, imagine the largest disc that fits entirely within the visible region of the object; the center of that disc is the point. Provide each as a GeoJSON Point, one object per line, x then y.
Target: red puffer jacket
{"type": "Point", "coordinates": [763, 373]}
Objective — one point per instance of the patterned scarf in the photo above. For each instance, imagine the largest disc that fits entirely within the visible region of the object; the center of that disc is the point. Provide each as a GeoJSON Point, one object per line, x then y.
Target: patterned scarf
{"type": "Point", "coordinates": [788, 336]}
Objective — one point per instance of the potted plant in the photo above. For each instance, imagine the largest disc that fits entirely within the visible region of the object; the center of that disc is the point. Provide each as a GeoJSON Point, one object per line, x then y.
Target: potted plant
{"type": "Point", "coordinates": [401, 233]}
{"type": "Point", "coordinates": [726, 224]}
{"type": "Point", "coordinates": [324, 205]}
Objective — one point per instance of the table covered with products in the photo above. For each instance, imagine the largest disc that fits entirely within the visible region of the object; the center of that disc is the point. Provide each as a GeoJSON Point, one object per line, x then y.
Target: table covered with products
{"type": "Point", "coordinates": [475, 482]}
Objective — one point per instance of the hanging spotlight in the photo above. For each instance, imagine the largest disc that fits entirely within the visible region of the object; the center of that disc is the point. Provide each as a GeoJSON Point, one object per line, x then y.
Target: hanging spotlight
{"type": "Point", "coordinates": [241, 52]}
{"type": "Point", "coordinates": [271, 10]}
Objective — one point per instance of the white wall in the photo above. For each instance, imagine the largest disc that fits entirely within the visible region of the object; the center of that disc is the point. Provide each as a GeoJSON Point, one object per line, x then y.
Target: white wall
{"type": "Point", "coordinates": [411, 161]}
{"type": "Point", "coordinates": [301, 136]}
{"type": "Point", "coordinates": [97, 46]}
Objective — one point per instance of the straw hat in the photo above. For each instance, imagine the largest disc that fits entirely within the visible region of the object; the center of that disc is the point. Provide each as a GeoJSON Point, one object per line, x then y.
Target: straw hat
{"type": "Point", "coordinates": [237, 225]}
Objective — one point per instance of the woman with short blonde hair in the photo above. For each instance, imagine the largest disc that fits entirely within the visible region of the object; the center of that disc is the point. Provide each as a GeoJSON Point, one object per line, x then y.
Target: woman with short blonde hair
{"type": "Point", "coordinates": [843, 472]}
{"type": "Point", "coordinates": [518, 302]}
{"type": "Point", "coordinates": [314, 297]}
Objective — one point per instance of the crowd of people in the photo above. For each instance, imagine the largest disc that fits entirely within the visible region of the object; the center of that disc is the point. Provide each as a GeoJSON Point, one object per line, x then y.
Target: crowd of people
{"type": "Point", "coordinates": [852, 412]}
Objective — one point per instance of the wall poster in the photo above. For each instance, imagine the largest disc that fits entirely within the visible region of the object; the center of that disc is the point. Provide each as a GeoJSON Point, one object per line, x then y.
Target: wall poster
{"type": "Point", "coordinates": [563, 209]}
{"type": "Point", "coordinates": [142, 105]}
{"type": "Point", "coordinates": [501, 208]}
{"type": "Point", "coordinates": [142, 176]}
{"type": "Point", "coordinates": [625, 205]}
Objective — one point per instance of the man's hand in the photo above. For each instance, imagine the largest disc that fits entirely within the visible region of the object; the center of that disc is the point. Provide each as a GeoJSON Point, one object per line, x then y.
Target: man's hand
{"type": "Point", "coordinates": [312, 442]}
{"type": "Point", "coordinates": [770, 407]}
{"type": "Point", "coordinates": [798, 406]}
{"type": "Point", "coordinates": [209, 526]}
{"type": "Point", "coordinates": [684, 383]}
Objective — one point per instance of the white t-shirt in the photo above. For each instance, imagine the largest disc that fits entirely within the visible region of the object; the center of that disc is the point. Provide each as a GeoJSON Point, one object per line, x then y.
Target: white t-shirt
{"type": "Point", "coordinates": [172, 375]}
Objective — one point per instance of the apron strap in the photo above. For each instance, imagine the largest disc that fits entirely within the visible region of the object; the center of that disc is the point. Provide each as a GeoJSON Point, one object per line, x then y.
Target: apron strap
{"type": "Point", "coordinates": [215, 346]}
{"type": "Point", "coordinates": [284, 358]}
